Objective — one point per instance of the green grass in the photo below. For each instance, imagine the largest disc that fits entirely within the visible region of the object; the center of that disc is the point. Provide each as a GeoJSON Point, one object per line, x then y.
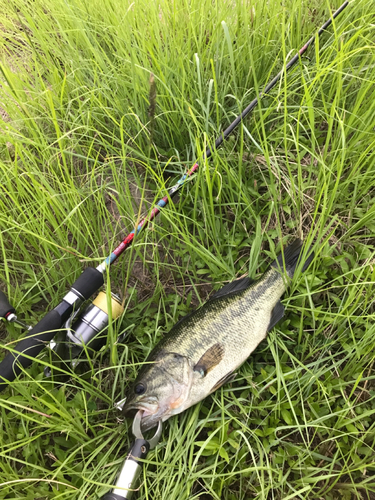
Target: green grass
{"type": "Point", "coordinates": [81, 160]}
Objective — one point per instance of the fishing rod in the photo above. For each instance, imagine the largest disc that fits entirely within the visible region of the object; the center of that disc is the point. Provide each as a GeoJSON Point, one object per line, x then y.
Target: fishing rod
{"type": "Point", "coordinates": [77, 335]}
{"type": "Point", "coordinates": [127, 480]}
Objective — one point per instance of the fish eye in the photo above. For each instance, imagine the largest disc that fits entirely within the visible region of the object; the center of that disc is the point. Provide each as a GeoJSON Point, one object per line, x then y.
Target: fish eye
{"type": "Point", "coordinates": [139, 389]}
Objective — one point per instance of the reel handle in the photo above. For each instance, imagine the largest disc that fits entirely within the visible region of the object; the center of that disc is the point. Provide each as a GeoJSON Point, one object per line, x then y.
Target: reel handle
{"type": "Point", "coordinates": [5, 307]}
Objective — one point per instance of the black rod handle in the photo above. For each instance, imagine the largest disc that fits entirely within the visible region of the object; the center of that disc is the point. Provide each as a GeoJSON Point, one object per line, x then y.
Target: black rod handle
{"type": "Point", "coordinates": [31, 345]}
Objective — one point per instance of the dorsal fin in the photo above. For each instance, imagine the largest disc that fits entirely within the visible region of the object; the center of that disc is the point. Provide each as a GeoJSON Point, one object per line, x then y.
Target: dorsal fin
{"type": "Point", "coordinates": [232, 288]}
{"type": "Point", "coordinates": [229, 289]}
{"type": "Point", "coordinates": [183, 319]}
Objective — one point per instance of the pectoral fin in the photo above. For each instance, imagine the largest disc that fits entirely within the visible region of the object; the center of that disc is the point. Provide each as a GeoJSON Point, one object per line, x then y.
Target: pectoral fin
{"type": "Point", "coordinates": [227, 378]}
{"type": "Point", "coordinates": [276, 315]}
{"type": "Point", "coordinates": [210, 359]}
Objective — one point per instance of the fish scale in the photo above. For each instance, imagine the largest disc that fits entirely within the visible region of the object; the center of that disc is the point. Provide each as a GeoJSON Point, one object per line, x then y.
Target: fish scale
{"type": "Point", "coordinates": [202, 351]}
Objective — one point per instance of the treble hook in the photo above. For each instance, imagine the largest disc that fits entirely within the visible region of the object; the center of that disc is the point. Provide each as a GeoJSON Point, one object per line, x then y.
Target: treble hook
{"type": "Point", "coordinates": [126, 481]}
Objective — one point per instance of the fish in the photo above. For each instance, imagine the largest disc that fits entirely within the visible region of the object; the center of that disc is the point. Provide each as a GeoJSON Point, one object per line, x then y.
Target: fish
{"type": "Point", "coordinates": [203, 350]}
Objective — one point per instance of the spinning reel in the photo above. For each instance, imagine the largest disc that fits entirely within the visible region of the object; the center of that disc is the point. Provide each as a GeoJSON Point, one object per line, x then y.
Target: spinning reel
{"type": "Point", "coordinates": [85, 333]}
{"type": "Point", "coordinates": [74, 334]}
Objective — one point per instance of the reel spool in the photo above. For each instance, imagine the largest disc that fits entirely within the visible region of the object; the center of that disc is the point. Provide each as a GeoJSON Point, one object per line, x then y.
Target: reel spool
{"type": "Point", "coordinates": [84, 334]}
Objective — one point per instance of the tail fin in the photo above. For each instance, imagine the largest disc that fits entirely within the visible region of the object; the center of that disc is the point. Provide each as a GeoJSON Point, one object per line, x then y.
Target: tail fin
{"type": "Point", "coordinates": [291, 258]}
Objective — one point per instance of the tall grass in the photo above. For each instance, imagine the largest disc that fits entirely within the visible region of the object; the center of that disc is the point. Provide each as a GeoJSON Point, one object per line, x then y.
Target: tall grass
{"type": "Point", "coordinates": [82, 159]}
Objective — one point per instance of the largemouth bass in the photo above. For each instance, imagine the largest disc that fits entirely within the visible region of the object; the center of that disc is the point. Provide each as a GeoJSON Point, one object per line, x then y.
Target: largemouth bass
{"type": "Point", "coordinates": [203, 350]}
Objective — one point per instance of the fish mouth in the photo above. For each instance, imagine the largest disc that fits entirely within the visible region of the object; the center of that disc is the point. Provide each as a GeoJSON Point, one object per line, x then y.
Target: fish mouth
{"type": "Point", "coordinates": [151, 415]}
{"type": "Point", "coordinates": [149, 408]}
